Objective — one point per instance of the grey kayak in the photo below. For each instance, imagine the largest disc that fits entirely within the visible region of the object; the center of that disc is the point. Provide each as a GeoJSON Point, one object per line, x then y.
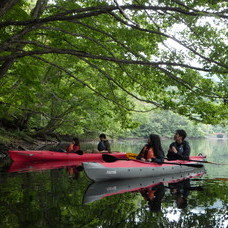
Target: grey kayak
{"type": "Point", "coordinates": [98, 171]}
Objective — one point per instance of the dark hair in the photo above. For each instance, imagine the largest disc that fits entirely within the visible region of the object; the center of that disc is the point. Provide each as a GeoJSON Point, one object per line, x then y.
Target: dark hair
{"type": "Point", "coordinates": [182, 133]}
{"type": "Point", "coordinates": [76, 141]}
{"type": "Point", "coordinates": [102, 136]}
{"type": "Point", "coordinates": [155, 143]}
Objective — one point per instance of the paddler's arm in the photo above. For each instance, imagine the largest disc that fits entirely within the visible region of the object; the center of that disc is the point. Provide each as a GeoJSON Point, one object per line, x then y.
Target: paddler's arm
{"type": "Point", "coordinates": [159, 157]}
{"type": "Point", "coordinates": [108, 147]}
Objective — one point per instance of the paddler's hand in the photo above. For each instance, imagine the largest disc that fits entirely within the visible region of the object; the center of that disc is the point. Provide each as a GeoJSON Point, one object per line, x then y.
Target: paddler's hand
{"type": "Point", "coordinates": [173, 149]}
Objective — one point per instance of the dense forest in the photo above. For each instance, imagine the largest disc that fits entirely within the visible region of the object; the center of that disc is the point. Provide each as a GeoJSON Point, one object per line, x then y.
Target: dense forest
{"type": "Point", "coordinates": [85, 67]}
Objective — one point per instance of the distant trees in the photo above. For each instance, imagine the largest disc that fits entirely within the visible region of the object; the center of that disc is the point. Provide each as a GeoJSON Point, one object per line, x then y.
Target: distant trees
{"type": "Point", "coordinates": [165, 123]}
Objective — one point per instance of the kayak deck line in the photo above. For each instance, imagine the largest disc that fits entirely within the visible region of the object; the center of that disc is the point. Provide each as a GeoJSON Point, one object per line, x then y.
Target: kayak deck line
{"type": "Point", "coordinates": [137, 164]}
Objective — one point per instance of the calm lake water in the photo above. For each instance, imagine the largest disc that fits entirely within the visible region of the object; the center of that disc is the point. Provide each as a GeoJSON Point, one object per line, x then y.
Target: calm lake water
{"type": "Point", "coordinates": [66, 198]}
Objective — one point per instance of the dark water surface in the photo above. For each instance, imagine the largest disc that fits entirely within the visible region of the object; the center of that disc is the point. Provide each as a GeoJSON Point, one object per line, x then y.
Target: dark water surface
{"type": "Point", "coordinates": [65, 197]}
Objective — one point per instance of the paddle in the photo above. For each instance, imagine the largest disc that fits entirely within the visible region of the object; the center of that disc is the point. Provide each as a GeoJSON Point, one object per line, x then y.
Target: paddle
{"type": "Point", "coordinates": [79, 152]}
{"type": "Point", "coordinates": [110, 158]}
{"type": "Point", "coordinates": [209, 162]}
{"type": "Point", "coordinates": [194, 188]}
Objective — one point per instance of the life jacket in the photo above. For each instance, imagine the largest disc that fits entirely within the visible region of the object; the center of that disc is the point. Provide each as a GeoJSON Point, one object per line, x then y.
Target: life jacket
{"type": "Point", "coordinates": [72, 147]}
{"type": "Point", "coordinates": [148, 194]}
{"type": "Point", "coordinates": [147, 153]}
{"type": "Point", "coordinates": [151, 194]}
{"type": "Point", "coordinates": [76, 147]}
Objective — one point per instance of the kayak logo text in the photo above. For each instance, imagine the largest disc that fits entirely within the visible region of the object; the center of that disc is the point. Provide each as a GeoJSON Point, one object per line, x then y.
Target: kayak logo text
{"type": "Point", "coordinates": [111, 172]}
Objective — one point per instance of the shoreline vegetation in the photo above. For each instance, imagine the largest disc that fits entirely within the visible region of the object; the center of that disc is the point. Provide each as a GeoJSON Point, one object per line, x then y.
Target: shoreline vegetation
{"type": "Point", "coordinates": [10, 140]}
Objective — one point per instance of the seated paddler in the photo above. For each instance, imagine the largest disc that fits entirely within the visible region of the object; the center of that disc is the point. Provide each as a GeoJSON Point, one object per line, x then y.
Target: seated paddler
{"type": "Point", "coordinates": [103, 145]}
{"type": "Point", "coordinates": [74, 146]}
{"type": "Point", "coordinates": [152, 151]}
{"type": "Point", "coordinates": [180, 149]}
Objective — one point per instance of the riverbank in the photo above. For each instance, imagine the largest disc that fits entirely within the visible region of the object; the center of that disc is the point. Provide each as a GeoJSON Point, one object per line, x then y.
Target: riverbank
{"type": "Point", "coordinates": [20, 144]}
{"type": "Point", "coordinates": [18, 140]}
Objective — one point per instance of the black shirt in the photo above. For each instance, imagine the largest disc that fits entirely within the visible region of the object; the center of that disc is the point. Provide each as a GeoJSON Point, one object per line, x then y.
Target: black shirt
{"type": "Point", "coordinates": [183, 151]}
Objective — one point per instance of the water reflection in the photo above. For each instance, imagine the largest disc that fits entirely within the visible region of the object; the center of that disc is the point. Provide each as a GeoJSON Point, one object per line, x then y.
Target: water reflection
{"type": "Point", "coordinates": [152, 189]}
{"type": "Point", "coordinates": [49, 198]}
{"type": "Point", "coordinates": [154, 196]}
{"type": "Point", "coordinates": [74, 171]}
{"type": "Point", "coordinates": [22, 167]}
{"type": "Point", "coordinates": [181, 190]}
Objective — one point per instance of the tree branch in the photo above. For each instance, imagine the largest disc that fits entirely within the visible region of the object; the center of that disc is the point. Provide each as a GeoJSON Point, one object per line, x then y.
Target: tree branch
{"type": "Point", "coordinates": [107, 9]}
{"type": "Point", "coordinates": [87, 85]}
{"type": "Point", "coordinates": [48, 50]}
{"type": "Point", "coordinates": [170, 37]}
{"type": "Point", "coordinates": [119, 85]}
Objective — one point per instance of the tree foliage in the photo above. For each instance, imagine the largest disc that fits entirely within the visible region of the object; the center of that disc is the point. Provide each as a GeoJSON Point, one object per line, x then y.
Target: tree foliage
{"type": "Point", "coordinates": [166, 123]}
{"type": "Point", "coordinates": [72, 64]}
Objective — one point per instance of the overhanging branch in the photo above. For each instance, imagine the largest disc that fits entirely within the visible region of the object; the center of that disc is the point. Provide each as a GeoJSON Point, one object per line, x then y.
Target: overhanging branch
{"type": "Point", "coordinates": [87, 85]}
{"type": "Point", "coordinates": [47, 50]}
{"type": "Point", "coordinates": [95, 11]}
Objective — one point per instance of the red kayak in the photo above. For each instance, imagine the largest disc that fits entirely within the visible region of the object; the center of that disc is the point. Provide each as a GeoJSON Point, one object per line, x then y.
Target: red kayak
{"type": "Point", "coordinates": [46, 155]}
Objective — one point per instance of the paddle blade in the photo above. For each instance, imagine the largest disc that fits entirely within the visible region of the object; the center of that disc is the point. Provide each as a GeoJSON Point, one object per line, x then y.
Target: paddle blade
{"type": "Point", "coordinates": [193, 165]}
{"type": "Point", "coordinates": [79, 152]}
{"type": "Point", "coordinates": [196, 165]}
{"type": "Point", "coordinates": [109, 158]}
{"type": "Point", "coordinates": [131, 155]}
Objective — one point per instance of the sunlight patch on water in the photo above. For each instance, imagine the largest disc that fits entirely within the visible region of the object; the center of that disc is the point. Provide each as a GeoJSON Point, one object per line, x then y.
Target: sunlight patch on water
{"type": "Point", "coordinates": [173, 214]}
{"type": "Point", "coordinates": [201, 210]}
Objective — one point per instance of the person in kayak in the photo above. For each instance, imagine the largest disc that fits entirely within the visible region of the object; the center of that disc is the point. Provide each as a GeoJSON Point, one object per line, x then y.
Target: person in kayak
{"type": "Point", "coordinates": [103, 145]}
{"type": "Point", "coordinates": [73, 147]}
{"type": "Point", "coordinates": [152, 151]}
{"type": "Point", "coordinates": [180, 149]}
